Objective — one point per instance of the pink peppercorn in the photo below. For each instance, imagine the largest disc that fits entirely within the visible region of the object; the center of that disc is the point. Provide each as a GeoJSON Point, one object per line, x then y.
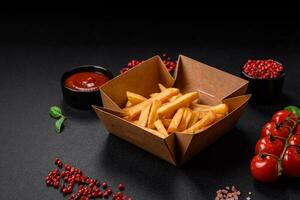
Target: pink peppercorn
{"type": "Point", "coordinates": [263, 69]}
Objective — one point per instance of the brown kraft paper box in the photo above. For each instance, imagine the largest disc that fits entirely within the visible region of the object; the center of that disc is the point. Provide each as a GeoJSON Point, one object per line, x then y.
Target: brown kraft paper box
{"type": "Point", "coordinates": [214, 86]}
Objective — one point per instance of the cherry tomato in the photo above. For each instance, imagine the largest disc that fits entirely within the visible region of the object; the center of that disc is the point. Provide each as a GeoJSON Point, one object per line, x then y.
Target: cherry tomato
{"type": "Point", "coordinates": [298, 129]}
{"type": "Point", "coordinates": [271, 128]}
{"type": "Point", "coordinates": [295, 139]}
{"type": "Point", "coordinates": [291, 162]}
{"type": "Point", "coordinates": [264, 168]}
{"type": "Point", "coordinates": [281, 116]}
{"type": "Point", "coordinates": [269, 145]}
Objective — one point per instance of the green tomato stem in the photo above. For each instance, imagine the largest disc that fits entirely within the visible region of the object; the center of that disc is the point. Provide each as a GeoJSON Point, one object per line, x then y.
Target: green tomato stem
{"type": "Point", "coordinates": [286, 145]}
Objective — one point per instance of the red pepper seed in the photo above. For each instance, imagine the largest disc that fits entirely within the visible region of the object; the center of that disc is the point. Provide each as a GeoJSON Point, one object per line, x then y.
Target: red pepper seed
{"type": "Point", "coordinates": [121, 186]}
{"type": "Point", "coordinates": [87, 187]}
{"type": "Point", "coordinates": [104, 185]}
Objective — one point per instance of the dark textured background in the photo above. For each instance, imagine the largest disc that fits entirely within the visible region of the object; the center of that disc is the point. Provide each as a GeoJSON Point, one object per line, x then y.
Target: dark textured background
{"type": "Point", "coordinates": [36, 49]}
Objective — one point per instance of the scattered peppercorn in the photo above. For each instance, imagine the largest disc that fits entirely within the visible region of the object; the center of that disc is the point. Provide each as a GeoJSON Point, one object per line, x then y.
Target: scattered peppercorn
{"type": "Point", "coordinates": [171, 65]}
{"type": "Point", "coordinates": [228, 193]}
{"type": "Point", "coordinates": [65, 177]}
{"type": "Point", "coordinates": [263, 69]}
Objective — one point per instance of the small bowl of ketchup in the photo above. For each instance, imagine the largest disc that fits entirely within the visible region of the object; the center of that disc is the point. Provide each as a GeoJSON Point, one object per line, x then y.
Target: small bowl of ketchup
{"type": "Point", "coordinates": [80, 85]}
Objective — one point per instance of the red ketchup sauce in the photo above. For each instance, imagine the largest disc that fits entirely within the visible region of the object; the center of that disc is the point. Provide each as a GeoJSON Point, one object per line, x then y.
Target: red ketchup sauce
{"type": "Point", "coordinates": [86, 81]}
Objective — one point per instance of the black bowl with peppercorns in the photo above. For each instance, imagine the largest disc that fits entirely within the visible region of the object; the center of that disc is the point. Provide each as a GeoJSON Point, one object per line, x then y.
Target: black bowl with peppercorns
{"type": "Point", "coordinates": [266, 78]}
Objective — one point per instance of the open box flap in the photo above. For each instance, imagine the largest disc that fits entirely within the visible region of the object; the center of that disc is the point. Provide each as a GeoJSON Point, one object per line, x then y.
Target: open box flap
{"type": "Point", "coordinates": [192, 75]}
{"type": "Point", "coordinates": [150, 72]}
{"type": "Point", "coordinates": [199, 141]}
{"type": "Point", "coordinates": [163, 148]}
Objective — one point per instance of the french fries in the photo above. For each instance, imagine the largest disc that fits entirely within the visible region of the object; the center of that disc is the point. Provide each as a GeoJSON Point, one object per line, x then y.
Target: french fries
{"type": "Point", "coordinates": [217, 109]}
{"type": "Point", "coordinates": [169, 111]}
{"type": "Point", "coordinates": [160, 127]}
{"type": "Point", "coordinates": [128, 104]}
{"type": "Point", "coordinates": [187, 115]}
{"type": "Point", "coordinates": [153, 113]}
{"type": "Point", "coordinates": [154, 132]}
{"type": "Point", "coordinates": [208, 119]}
{"type": "Point", "coordinates": [176, 120]}
{"type": "Point", "coordinates": [135, 98]}
{"type": "Point", "coordinates": [144, 115]}
{"type": "Point", "coordinates": [161, 87]}
{"type": "Point", "coordinates": [194, 118]}
{"type": "Point", "coordinates": [175, 97]}
{"type": "Point", "coordinates": [166, 122]}
{"type": "Point", "coordinates": [181, 101]}
{"type": "Point", "coordinates": [163, 96]}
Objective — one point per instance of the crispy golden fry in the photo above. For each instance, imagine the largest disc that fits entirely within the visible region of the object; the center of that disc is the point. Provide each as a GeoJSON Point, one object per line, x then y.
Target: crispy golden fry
{"type": "Point", "coordinates": [178, 103]}
{"type": "Point", "coordinates": [153, 94]}
{"type": "Point", "coordinates": [194, 119]}
{"type": "Point", "coordinates": [217, 109]}
{"type": "Point", "coordinates": [187, 115]}
{"type": "Point", "coordinates": [161, 87]}
{"type": "Point", "coordinates": [166, 94]}
{"type": "Point", "coordinates": [128, 104]}
{"type": "Point", "coordinates": [166, 122]}
{"type": "Point", "coordinates": [154, 132]}
{"type": "Point", "coordinates": [160, 127]}
{"type": "Point", "coordinates": [176, 120]}
{"type": "Point", "coordinates": [219, 116]}
{"type": "Point", "coordinates": [135, 98]}
{"type": "Point", "coordinates": [144, 115]}
{"type": "Point", "coordinates": [169, 115]}
{"type": "Point", "coordinates": [208, 119]}
{"type": "Point", "coordinates": [162, 96]}
{"type": "Point", "coordinates": [175, 97]}
{"type": "Point", "coordinates": [220, 109]}
{"type": "Point", "coordinates": [199, 106]}
{"type": "Point", "coordinates": [153, 113]}
{"type": "Point", "coordinates": [136, 122]}
{"type": "Point", "coordinates": [201, 114]}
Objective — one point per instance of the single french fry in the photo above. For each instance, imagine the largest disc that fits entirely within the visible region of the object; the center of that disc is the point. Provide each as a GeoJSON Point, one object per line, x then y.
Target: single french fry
{"type": "Point", "coordinates": [153, 94]}
{"type": "Point", "coordinates": [144, 115]}
{"type": "Point", "coordinates": [161, 87]}
{"type": "Point", "coordinates": [169, 115]}
{"type": "Point", "coordinates": [166, 94]}
{"type": "Point", "coordinates": [153, 113]}
{"type": "Point", "coordinates": [160, 127]}
{"type": "Point", "coordinates": [126, 118]}
{"type": "Point", "coordinates": [194, 119]}
{"type": "Point", "coordinates": [197, 106]}
{"type": "Point", "coordinates": [178, 103]}
{"type": "Point", "coordinates": [154, 132]}
{"type": "Point", "coordinates": [217, 109]}
{"type": "Point", "coordinates": [128, 104]}
{"type": "Point", "coordinates": [219, 116]}
{"type": "Point", "coordinates": [201, 114]}
{"type": "Point", "coordinates": [162, 96]}
{"type": "Point", "coordinates": [187, 115]}
{"type": "Point", "coordinates": [135, 98]}
{"type": "Point", "coordinates": [136, 122]}
{"type": "Point", "coordinates": [208, 119]}
{"type": "Point", "coordinates": [176, 120]}
{"type": "Point", "coordinates": [166, 122]}
{"type": "Point", "coordinates": [220, 109]}
{"type": "Point", "coordinates": [175, 97]}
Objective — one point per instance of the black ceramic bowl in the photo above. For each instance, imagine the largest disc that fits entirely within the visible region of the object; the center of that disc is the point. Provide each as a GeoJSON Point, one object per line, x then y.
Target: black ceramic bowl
{"type": "Point", "coordinates": [264, 90]}
{"type": "Point", "coordinates": [82, 99]}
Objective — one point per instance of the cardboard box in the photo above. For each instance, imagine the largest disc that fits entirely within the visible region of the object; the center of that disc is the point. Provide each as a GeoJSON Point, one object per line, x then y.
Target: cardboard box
{"type": "Point", "coordinates": [213, 85]}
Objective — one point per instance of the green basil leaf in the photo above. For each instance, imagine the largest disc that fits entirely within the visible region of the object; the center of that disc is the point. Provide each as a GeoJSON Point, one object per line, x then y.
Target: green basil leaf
{"type": "Point", "coordinates": [59, 124]}
{"type": "Point", "coordinates": [55, 112]}
{"type": "Point", "coordinates": [293, 109]}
